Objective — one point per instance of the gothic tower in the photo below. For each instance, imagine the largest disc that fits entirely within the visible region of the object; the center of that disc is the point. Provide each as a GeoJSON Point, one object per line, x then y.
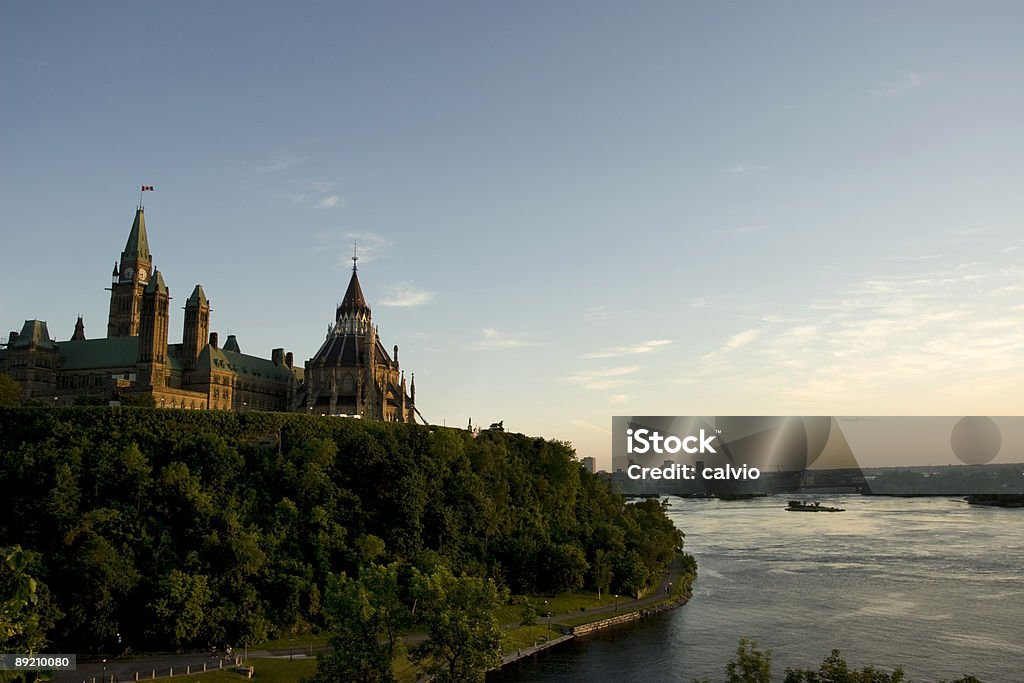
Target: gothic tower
{"type": "Point", "coordinates": [129, 279]}
{"type": "Point", "coordinates": [352, 373]}
{"type": "Point", "coordinates": [152, 357]}
{"type": "Point", "coordinates": [197, 327]}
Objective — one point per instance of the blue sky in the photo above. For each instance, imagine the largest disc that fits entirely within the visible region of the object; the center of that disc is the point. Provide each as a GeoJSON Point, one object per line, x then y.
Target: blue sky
{"type": "Point", "coordinates": [567, 211]}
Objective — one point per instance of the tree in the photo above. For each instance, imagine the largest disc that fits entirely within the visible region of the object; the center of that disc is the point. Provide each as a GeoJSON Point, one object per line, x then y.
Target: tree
{"type": "Point", "coordinates": [366, 615]}
{"type": "Point", "coordinates": [10, 392]}
{"type": "Point", "coordinates": [601, 570]}
{"type": "Point", "coordinates": [751, 665]}
{"type": "Point", "coordinates": [463, 635]}
{"type": "Point", "coordinates": [182, 605]}
{"type": "Point", "coordinates": [834, 669]}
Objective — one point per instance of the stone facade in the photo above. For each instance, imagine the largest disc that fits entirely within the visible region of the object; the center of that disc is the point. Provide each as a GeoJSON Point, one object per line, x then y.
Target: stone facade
{"type": "Point", "coordinates": [352, 374]}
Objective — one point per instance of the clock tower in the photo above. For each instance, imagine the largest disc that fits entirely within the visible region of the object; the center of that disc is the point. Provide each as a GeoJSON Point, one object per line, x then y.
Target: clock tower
{"type": "Point", "coordinates": [129, 279]}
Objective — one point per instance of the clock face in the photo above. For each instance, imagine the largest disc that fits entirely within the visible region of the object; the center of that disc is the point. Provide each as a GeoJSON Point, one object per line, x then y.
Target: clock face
{"type": "Point", "coordinates": [142, 276]}
{"type": "Point", "coordinates": [127, 273]}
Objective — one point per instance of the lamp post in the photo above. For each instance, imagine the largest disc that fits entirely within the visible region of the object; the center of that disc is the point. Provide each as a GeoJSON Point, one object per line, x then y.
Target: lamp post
{"type": "Point", "coordinates": [549, 614]}
{"type": "Point", "coordinates": [103, 678]}
{"type": "Point", "coordinates": [616, 602]}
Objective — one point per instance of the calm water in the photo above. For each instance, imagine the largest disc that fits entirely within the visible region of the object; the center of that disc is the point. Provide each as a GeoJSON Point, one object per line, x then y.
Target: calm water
{"type": "Point", "coordinates": [930, 584]}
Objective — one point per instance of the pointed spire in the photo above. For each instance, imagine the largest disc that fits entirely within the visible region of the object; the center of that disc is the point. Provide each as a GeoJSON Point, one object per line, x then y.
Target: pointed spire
{"type": "Point", "coordinates": [354, 301]}
{"type": "Point", "coordinates": [197, 298]}
{"type": "Point", "coordinates": [156, 283]}
{"type": "Point", "coordinates": [137, 247]}
{"type": "Point", "coordinates": [355, 256]}
{"type": "Point", "coordinates": [79, 334]}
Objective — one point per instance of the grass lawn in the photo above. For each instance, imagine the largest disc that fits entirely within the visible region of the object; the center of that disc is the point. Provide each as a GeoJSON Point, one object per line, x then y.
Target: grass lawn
{"type": "Point", "coordinates": [265, 671]}
{"type": "Point", "coordinates": [567, 602]}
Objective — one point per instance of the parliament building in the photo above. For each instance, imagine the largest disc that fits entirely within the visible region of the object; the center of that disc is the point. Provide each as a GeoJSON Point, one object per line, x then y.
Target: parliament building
{"type": "Point", "coordinates": [352, 374]}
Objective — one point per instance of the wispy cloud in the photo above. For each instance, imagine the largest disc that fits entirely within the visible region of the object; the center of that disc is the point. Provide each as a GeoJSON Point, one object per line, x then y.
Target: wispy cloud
{"type": "Point", "coordinates": [314, 194]}
{"type": "Point", "coordinates": [596, 314]}
{"type": "Point", "coordinates": [491, 339]}
{"type": "Point", "coordinates": [587, 425]}
{"type": "Point", "coordinates": [606, 378]}
{"type": "Point", "coordinates": [739, 169]}
{"type": "Point", "coordinates": [406, 294]}
{"type": "Point", "coordinates": [699, 302]}
{"type": "Point", "coordinates": [618, 399]}
{"type": "Point", "coordinates": [1009, 250]}
{"type": "Point", "coordinates": [643, 347]}
{"type": "Point", "coordinates": [370, 246]}
{"type": "Point", "coordinates": [327, 202]}
{"type": "Point", "coordinates": [736, 341]}
{"type": "Point", "coordinates": [277, 165]}
{"type": "Point", "coordinates": [950, 337]}
{"type": "Point", "coordinates": [908, 83]}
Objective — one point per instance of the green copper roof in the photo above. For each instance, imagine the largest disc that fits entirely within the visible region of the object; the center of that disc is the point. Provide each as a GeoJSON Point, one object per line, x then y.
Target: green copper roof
{"type": "Point", "coordinates": [34, 332]}
{"type": "Point", "coordinates": [244, 366]}
{"type": "Point", "coordinates": [107, 354]}
{"type": "Point", "coordinates": [112, 352]}
{"type": "Point", "coordinates": [197, 298]}
{"type": "Point", "coordinates": [232, 344]}
{"type": "Point", "coordinates": [137, 247]}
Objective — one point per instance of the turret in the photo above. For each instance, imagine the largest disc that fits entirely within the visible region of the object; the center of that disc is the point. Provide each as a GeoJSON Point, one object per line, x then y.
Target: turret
{"type": "Point", "coordinates": [197, 327]}
{"type": "Point", "coordinates": [152, 357]}
{"type": "Point", "coordinates": [79, 334]}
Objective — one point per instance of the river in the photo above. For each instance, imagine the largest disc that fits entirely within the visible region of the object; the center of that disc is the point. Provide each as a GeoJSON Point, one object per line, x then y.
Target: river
{"type": "Point", "coordinates": [931, 584]}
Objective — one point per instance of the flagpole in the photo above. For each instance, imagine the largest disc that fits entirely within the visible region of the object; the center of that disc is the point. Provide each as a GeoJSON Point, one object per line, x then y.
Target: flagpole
{"type": "Point", "coordinates": [140, 195]}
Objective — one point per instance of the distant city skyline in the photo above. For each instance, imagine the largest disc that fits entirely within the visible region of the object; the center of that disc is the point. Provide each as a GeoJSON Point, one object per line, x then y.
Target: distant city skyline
{"type": "Point", "coordinates": [564, 212]}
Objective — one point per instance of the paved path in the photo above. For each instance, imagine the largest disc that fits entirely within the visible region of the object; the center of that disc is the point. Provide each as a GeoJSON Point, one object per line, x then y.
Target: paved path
{"type": "Point", "coordinates": [124, 669]}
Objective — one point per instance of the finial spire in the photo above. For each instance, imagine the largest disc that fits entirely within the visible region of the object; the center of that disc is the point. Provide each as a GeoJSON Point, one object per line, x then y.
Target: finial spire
{"type": "Point", "coordinates": [355, 257]}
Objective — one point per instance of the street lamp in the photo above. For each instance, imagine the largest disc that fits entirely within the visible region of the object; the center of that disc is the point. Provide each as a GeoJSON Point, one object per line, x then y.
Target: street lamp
{"type": "Point", "coordinates": [103, 678]}
{"type": "Point", "coordinates": [549, 614]}
{"type": "Point", "coordinates": [616, 602]}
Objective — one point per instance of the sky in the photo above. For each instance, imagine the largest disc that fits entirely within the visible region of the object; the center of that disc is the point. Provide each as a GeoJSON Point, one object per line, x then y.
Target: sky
{"type": "Point", "coordinates": [565, 211]}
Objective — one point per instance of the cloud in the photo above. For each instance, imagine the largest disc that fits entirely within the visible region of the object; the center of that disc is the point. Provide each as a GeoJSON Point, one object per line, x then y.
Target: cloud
{"type": "Point", "coordinates": [596, 314]}
{"type": "Point", "coordinates": [643, 347]}
{"type": "Point", "coordinates": [494, 340]}
{"type": "Point", "coordinates": [940, 339]}
{"type": "Point", "coordinates": [740, 169]}
{"type": "Point", "coordinates": [600, 380]}
{"type": "Point", "coordinates": [1009, 250]}
{"type": "Point", "coordinates": [736, 341]}
{"type": "Point", "coordinates": [405, 294]}
{"type": "Point", "coordinates": [327, 202]}
{"type": "Point", "coordinates": [699, 302]}
{"type": "Point", "coordinates": [369, 246]}
{"type": "Point", "coordinates": [586, 425]}
{"type": "Point", "coordinates": [910, 82]}
{"type": "Point", "coordinates": [618, 399]}
{"type": "Point", "coordinates": [281, 164]}
{"type": "Point", "coordinates": [314, 194]}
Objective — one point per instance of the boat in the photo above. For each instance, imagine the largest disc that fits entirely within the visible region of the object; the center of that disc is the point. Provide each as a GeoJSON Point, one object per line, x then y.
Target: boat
{"type": "Point", "coordinates": [800, 506]}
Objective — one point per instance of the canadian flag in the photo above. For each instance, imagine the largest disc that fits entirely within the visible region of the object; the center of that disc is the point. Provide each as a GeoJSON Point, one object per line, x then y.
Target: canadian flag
{"type": "Point", "coordinates": [147, 187]}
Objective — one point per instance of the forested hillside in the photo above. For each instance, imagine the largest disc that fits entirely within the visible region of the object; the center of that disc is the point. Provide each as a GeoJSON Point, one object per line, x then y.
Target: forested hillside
{"type": "Point", "coordinates": [179, 528]}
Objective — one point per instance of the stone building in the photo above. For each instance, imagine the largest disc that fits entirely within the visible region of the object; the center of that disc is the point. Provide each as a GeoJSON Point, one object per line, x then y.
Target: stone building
{"type": "Point", "coordinates": [135, 357]}
{"type": "Point", "coordinates": [352, 373]}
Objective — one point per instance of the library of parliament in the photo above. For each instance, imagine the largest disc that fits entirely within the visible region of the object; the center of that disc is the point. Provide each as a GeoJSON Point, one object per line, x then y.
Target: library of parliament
{"type": "Point", "coordinates": [352, 374]}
